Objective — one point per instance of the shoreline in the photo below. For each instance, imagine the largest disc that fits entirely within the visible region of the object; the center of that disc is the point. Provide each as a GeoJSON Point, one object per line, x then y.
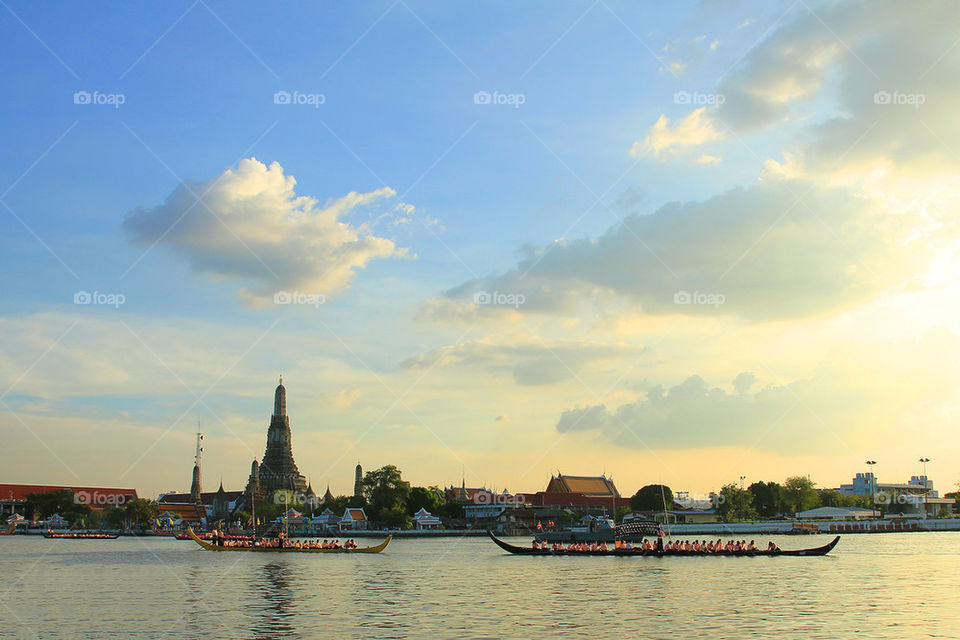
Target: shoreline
{"type": "Point", "coordinates": [715, 528]}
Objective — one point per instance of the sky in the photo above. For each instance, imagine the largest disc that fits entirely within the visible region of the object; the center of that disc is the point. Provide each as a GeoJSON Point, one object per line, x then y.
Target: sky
{"type": "Point", "coordinates": [677, 242]}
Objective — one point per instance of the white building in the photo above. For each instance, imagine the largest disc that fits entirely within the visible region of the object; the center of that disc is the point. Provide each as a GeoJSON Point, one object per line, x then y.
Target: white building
{"type": "Point", "coordinates": [916, 498]}
{"type": "Point", "coordinates": [353, 518]}
{"type": "Point", "coordinates": [838, 513]}
{"type": "Point", "coordinates": [423, 519]}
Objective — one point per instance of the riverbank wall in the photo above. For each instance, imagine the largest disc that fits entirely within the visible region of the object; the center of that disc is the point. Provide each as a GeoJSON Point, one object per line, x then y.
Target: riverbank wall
{"type": "Point", "coordinates": [825, 526]}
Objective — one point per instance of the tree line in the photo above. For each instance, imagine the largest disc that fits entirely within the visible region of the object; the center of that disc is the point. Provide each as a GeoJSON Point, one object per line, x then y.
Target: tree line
{"type": "Point", "coordinates": [385, 497]}
{"type": "Point", "coordinates": [133, 513]}
{"type": "Point", "coordinates": [758, 501]}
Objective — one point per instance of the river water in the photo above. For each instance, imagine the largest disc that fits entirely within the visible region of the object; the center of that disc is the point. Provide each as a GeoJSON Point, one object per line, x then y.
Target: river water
{"type": "Point", "coordinates": [871, 586]}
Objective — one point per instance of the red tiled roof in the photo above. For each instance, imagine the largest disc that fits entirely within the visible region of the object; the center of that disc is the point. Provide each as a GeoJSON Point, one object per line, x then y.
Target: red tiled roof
{"type": "Point", "coordinates": [95, 497]}
{"type": "Point", "coordinates": [587, 485]}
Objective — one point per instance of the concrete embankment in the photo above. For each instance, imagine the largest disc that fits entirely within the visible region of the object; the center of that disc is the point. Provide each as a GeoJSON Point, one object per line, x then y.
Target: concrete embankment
{"type": "Point", "coordinates": [832, 526]}
{"type": "Point", "coordinates": [716, 528]}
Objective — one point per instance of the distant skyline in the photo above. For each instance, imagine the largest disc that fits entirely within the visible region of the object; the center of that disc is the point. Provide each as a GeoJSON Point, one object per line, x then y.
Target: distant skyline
{"type": "Point", "coordinates": [679, 244]}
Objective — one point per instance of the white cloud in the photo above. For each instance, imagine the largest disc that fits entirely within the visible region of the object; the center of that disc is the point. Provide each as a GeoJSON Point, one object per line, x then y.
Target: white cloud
{"type": "Point", "coordinates": [776, 250]}
{"type": "Point", "coordinates": [863, 202]}
{"type": "Point", "coordinates": [693, 130]}
{"type": "Point", "coordinates": [345, 399]}
{"type": "Point", "coordinates": [251, 226]}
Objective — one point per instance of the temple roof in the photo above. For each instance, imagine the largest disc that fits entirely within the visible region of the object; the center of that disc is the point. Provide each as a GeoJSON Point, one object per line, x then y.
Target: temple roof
{"type": "Point", "coordinates": [183, 511]}
{"type": "Point", "coordinates": [587, 485]}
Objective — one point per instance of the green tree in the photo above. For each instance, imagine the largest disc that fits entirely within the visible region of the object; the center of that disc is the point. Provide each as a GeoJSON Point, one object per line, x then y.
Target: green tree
{"type": "Point", "coordinates": [653, 497]}
{"type": "Point", "coordinates": [831, 498]}
{"type": "Point", "coordinates": [385, 489]}
{"type": "Point", "coordinates": [42, 505]}
{"type": "Point", "coordinates": [424, 498]}
{"type": "Point", "coordinates": [798, 494]}
{"type": "Point", "coordinates": [141, 511]}
{"type": "Point", "coordinates": [340, 503]}
{"type": "Point", "coordinates": [864, 502]}
{"type": "Point", "coordinates": [620, 512]}
{"type": "Point", "coordinates": [395, 517]}
{"type": "Point", "coordinates": [766, 499]}
{"type": "Point", "coordinates": [451, 509]}
{"type": "Point", "coordinates": [735, 504]}
{"type": "Point", "coordinates": [267, 509]}
{"type": "Point", "coordinates": [114, 517]}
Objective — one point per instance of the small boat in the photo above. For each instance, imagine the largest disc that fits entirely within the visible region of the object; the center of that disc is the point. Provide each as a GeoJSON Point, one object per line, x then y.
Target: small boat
{"type": "Point", "coordinates": [525, 551]}
{"type": "Point", "coordinates": [9, 532]}
{"type": "Point", "coordinates": [212, 547]}
{"type": "Point", "coordinates": [163, 533]}
{"type": "Point", "coordinates": [76, 535]}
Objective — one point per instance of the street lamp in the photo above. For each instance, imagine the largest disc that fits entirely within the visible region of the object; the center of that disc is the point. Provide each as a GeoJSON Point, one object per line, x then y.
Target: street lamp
{"type": "Point", "coordinates": [924, 461]}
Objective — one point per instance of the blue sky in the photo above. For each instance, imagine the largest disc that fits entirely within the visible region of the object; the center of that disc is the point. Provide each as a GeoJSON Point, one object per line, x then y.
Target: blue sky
{"type": "Point", "coordinates": [600, 137]}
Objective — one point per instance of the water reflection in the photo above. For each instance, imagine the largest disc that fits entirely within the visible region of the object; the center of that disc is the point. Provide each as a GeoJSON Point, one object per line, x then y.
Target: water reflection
{"type": "Point", "coordinates": [197, 617]}
{"type": "Point", "coordinates": [385, 594]}
{"type": "Point", "coordinates": [275, 612]}
{"type": "Point", "coordinates": [467, 588]}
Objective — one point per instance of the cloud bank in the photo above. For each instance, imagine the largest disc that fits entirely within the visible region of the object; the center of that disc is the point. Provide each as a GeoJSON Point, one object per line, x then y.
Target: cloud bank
{"type": "Point", "coordinates": [861, 393]}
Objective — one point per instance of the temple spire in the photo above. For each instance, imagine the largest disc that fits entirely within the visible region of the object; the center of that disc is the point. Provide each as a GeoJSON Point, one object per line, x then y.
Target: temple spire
{"type": "Point", "coordinates": [277, 468]}
{"type": "Point", "coordinates": [280, 400]}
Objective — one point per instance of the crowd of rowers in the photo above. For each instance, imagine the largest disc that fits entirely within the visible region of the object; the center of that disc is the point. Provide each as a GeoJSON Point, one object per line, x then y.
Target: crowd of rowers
{"type": "Point", "coordinates": [281, 542]}
{"type": "Point", "coordinates": [677, 546]}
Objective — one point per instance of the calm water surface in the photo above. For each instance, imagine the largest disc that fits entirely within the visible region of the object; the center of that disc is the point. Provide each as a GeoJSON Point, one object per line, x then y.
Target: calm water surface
{"type": "Point", "coordinates": [872, 586]}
